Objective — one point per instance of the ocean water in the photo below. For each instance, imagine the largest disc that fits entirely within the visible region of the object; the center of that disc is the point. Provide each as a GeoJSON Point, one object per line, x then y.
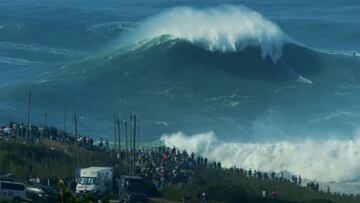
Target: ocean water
{"type": "Point", "coordinates": [264, 80]}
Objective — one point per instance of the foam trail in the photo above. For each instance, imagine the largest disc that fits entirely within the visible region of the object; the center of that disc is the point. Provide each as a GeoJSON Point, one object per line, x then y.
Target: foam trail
{"type": "Point", "coordinates": [41, 49]}
{"type": "Point", "coordinates": [17, 61]}
{"type": "Point", "coordinates": [304, 80]}
{"type": "Point", "coordinates": [331, 160]}
{"type": "Point", "coordinates": [224, 28]}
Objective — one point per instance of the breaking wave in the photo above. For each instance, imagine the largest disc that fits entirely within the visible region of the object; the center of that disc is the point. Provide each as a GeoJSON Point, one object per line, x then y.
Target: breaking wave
{"type": "Point", "coordinates": [330, 160]}
{"type": "Point", "coordinates": [224, 29]}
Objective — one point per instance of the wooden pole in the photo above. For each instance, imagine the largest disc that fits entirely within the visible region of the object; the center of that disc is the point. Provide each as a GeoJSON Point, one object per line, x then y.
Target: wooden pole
{"type": "Point", "coordinates": [138, 133]}
{"type": "Point", "coordinates": [126, 143]}
{"type": "Point", "coordinates": [130, 143]}
{"type": "Point", "coordinates": [27, 133]}
{"type": "Point", "coordinates": [119, 139]}
{"type": "Point", "coordinates": [126, 136]}
{"type": "Point", "coordinates": [77, 142]}
{"type": "Point", "coordinates": [134, 144]}
{"type": "Point", "coordinates": [65, 119]}
{"type": "Point", "coordinates": [115, 133]}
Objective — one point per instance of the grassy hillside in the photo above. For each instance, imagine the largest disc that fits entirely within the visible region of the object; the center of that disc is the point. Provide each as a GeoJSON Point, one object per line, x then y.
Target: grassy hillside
{"type": "Point", "coordinates": [230, 186]}
{"type": "Point", "coordinates": [49, 158]}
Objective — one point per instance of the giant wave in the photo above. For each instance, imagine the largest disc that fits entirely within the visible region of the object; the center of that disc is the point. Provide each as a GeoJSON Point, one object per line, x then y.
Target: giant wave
{"type": "Point", "coordinates": [224, 29]}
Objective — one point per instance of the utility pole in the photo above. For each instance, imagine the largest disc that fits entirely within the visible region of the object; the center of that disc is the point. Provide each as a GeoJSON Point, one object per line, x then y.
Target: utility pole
{"type": "Point", "coordinates": [119, 138]}
{"type": "Point", "coordinates": [45, 119]}
{"type": "Point", "coordinates": [131, 132]}
{"type": "Point", "coordinates": [27, 133]}
{"type": "Point", "coordinates": [115, 133]}
{"type": "Point", "coordinates": [138, 133]}
{"type": "Point", "coordinates": [65, 119]}
{"type": "Point", "coordinates": [77, 142]}
{"type": "Point", "coordinates": [130, 143]}
{"type": "Point", "coordinates": [134, 144]}
{"type": "Point", "coordinates": [126, 136]}
{"type": "Point", "coordinates": [126, 142]}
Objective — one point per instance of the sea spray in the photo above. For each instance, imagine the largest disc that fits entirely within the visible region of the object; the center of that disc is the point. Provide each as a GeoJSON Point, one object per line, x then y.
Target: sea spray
{"type": "Point", "coordinates": [329, 160]}
{"type": "Point", "coordinates": [223, 28]}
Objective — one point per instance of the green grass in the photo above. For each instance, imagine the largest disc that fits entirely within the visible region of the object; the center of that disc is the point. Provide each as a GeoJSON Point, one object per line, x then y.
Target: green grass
{"type": "Point", "coordinates": [230, 186]}
{"type": "Point", "coordinates": [46, 159]}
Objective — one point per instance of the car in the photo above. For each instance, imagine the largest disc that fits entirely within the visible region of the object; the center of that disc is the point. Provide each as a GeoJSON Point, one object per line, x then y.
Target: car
{"type": "Point", "coordinates": [41, 193]}
{"type": "Point", "coordinates": [12, 191]}
{"type": "Point", "coordinates": [132, 189]}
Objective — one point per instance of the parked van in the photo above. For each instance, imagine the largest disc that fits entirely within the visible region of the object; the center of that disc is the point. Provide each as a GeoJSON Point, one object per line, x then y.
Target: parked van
{"type": "Point", "coordinates": [12, 191]}
{"type": "Point", "coordinates": [95, 180]}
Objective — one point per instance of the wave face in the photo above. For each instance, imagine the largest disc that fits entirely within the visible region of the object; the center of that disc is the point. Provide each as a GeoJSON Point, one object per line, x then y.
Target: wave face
{"type": "Point", "coordinates": [329, 160]}
{"type": "Point", "coordinates": [239, 95]}
{"type": "Point", "coordinates": [182, 82]}
{"type": "Point", "coordinates": [224, 29]}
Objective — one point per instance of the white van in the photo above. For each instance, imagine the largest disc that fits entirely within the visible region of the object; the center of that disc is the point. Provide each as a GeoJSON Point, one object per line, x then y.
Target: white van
{"type": "Point", "coordinates": [12, 191]}
{"type": "Point", "coordinates": [95, 180]}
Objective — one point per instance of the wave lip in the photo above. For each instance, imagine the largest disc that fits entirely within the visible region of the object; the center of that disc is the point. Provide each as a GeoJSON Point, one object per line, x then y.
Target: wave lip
{"type": "Point", "coordinates": [223, 28]}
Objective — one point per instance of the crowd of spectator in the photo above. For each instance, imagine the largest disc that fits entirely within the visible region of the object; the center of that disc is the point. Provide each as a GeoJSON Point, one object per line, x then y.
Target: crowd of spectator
{"type": "Point", "coordinates": [167, 166]}
{"type": "Point", "coordinates": [35, 133]}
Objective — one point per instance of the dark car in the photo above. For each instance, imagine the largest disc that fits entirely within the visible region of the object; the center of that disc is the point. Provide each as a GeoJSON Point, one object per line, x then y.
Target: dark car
{"type": "Point", "coordinates": [132, 189]}
{"type": "Point", "coordinates": [41, 193]}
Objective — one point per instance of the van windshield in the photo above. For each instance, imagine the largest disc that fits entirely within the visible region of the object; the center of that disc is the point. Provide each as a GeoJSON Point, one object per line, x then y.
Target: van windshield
{"type": "Point", "coordinates": [87, 180]}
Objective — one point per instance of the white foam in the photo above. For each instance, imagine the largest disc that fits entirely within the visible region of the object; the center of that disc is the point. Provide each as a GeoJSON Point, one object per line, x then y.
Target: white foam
{"type": "Point", "coordinates": [17, 61]}
{"type": "Point", "coordinates": [304, 80]}
{"type": "Point", "coordinates": [112, 26]}
{"type": "Point", "coordinates": [330, 160]}
{"type": "Point", "coordinates": [41, 49]}
{"type": "Point", "coordinates": [224, 28]}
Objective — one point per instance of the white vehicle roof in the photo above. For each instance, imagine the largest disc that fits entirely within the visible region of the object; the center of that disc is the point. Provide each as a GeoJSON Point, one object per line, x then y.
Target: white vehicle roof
{"type": "Point", "coordinates": [92, 171]}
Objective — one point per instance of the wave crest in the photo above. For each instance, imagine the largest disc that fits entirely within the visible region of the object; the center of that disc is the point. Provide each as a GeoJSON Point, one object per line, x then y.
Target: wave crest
{"type": "Point", "coordinates": [331, 160]}
{"type": "Point", "coordinates": [224, 28]}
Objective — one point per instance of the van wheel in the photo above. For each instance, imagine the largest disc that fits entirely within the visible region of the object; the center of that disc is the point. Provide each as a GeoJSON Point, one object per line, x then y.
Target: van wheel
{"type": "Point", "coordinates": [16, 200]}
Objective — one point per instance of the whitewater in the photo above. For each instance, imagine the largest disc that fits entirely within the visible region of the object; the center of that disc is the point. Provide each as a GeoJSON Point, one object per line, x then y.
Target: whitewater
{"type": "Point", "coordinates": [325, 160]}
{"type": "Point", "coordinates": [224, 29]}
